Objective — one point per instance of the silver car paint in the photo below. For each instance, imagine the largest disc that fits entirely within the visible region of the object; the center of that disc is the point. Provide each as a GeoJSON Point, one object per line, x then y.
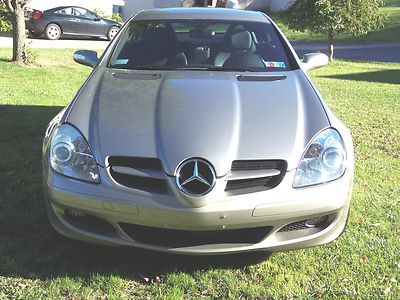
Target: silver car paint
{"type": "Point", "coordinates": [211, 110]}
{"type": "Point", "coordinates": [150, 118]}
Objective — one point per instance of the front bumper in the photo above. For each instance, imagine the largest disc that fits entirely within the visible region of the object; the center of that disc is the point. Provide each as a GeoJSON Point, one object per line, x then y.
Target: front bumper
{"type": "Point", "coordinates": [100, 214]}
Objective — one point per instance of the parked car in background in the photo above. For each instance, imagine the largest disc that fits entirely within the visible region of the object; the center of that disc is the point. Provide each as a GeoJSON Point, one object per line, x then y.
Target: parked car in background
{"type": "Point", "coordinates": [199, 132]}
{"type": "Point", "coordinates": [69, 20]}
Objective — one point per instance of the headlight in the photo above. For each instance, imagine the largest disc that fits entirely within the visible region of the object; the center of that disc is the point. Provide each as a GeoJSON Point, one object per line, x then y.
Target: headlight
{"type": "Point", "coordinates": [323, 161]}
{"type": "Point", "coordinates": [71, 156]}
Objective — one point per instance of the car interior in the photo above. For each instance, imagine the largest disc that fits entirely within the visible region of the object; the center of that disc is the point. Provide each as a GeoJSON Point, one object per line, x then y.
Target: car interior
{"type": "Point", "coordinates": [187, 45]}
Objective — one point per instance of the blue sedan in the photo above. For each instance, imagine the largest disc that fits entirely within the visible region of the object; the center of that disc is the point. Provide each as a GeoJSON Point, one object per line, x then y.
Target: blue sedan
{"type": "Point", "coordinates": [70, 20]}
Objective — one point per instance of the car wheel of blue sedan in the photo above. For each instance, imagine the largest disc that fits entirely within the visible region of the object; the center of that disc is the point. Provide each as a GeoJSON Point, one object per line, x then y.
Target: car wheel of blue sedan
{"type": "Point", "coordinates": [52, 31]}
{"type": "Point", "coordinates": [112, 32]}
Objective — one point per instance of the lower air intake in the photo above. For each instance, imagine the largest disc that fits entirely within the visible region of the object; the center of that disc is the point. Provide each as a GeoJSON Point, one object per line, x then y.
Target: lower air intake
{"type": "Point", "coordinates": [185, 238]}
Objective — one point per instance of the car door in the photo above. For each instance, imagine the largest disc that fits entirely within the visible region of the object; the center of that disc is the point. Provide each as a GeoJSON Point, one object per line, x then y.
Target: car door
{"type": "Point", "coordinates": [65, 18]}
{"type": "Point", "coordinates": [87, 22]}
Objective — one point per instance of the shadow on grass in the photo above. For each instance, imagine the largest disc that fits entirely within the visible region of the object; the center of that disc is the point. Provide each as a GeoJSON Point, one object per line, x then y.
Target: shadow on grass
{"type": "Point", "coordinates": [29, 247]}
{"type": "Point", "coordinates": [387, 76]}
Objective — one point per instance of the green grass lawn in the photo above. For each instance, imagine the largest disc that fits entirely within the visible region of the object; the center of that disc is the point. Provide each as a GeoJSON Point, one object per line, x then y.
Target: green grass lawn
{"type": "Point", "coordinates": [389, 33]}
{"type": "Point", "coordinates": [363, 263]}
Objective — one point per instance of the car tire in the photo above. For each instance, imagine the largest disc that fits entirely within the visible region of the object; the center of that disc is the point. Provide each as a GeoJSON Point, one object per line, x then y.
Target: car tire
{"type": "Point", "coordinates": [52, 31]}
{"type": "Point", "coordinates": [34, 34]}
{"type": "Point", "coordinates": [112, 32]}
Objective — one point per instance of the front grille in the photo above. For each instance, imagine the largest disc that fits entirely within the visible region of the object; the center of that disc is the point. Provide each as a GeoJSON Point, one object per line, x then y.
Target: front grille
{"type": "Point", "coordinates": [241, 165]}
{"type": "Point", "coordinates": [257, 182]}
{"type": "Point", "coordinates": [185, 238]}
{"type": "Point", "coordinates": [294, 226]}
{"type": "Point", "coordinates": [139, 173]}
{"type": "Point", "coordinates": [135, 162]}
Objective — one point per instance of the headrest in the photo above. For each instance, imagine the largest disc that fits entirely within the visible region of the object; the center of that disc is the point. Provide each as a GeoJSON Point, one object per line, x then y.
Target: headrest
{"type": "Point", "coordinates": [242, 40]}
{"type": "Point", "coordinates": [157, 36]}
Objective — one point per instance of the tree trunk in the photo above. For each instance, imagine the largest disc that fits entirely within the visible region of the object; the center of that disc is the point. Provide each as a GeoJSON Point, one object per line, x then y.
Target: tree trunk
{"type": "Point", "coordinates": [201, 3]}
{"type": "Point", "coordinates": [330, 45]}
{"type": "Point", "coordinates": [19, 39]}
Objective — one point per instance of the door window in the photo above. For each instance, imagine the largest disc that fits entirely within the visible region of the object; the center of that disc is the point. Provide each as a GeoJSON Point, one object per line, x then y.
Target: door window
{"type": "Point", "coordinates": [65, 11]}
{"type": "Point", "coordinates": [84, 13]}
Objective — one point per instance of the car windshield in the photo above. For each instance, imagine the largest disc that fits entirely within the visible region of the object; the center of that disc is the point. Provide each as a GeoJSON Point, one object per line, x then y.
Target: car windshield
{"type": "Point", "coordinates": [200, 45]}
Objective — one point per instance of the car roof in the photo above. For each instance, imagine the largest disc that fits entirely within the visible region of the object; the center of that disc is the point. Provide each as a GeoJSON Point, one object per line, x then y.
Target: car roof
{"type": "Point", "coordinates": [63, 7]}
{"type": "Point", "coordinates": [201, 13]}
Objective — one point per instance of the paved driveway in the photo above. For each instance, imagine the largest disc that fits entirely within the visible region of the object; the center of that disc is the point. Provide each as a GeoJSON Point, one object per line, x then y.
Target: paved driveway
{"type": "Point", "coordinates": [386, 52]}
{"type": "Point", "coordinates": [6, 41]}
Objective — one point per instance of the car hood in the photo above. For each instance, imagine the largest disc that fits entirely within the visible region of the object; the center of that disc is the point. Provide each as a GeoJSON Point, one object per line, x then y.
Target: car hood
{"type": "Point", "coordinates": [176, 115]}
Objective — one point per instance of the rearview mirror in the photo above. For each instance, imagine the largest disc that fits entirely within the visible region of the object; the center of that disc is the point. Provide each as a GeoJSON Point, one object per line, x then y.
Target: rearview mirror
{"type": "Point", "coordinates": [201, 33]}
{"type": "Point", "coordinates": [314, 60]}
{"type": "Point", "coordinates": [87, 58]}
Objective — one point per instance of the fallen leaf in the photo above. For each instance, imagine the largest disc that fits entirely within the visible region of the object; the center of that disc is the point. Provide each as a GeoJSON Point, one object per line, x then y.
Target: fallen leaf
{"type": "Point", "coordinates": [398, 230]}
{"type": "Point", "coordinates": [318, 294]}
{"type": "Point", "coordinates": [387, 290]}
{"type": "Point", "coordinates": [385, 278]}
{"type": "Point", "coordinates": [363, 259]}
{"type": "Point", "coordinates": [360, 222]}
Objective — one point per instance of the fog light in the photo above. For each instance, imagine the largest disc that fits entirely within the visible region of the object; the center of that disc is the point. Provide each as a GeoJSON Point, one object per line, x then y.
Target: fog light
{"type": "Point", "coordinates": [316, 222]}
{"type": "Point", "coordinates": [74, 213]}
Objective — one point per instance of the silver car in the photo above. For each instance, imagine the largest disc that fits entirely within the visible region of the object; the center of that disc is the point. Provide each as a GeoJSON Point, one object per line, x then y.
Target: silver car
{"type": "Point", "coordinates": [199, 132]}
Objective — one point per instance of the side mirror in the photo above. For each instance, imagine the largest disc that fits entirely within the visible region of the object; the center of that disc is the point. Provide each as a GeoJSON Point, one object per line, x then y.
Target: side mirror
{"type": "Point", "coordinates": [87, 58]}
{"type": "Point", "coordinates": [314, 61]}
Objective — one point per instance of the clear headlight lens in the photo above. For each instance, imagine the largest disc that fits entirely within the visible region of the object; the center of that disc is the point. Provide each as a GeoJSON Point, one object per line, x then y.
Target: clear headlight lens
{"type": "Point", "coordinates": [71, 156]}
{"type": "Point", "coordinates": [324, 160]}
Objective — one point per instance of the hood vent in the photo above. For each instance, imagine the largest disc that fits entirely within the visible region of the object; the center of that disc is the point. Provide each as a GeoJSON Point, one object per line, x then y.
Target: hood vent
{"type": "Point", "coordinates": [137, 76]}
{"type": "Point", "coordinates": [261, 77]}
{"type": "Point", "coordinates": [249, 176]}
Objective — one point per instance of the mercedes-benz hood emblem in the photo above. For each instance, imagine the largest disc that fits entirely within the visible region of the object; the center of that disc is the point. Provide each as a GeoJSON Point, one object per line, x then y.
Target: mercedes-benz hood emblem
{"type": "Point", "coordinates": [195, 177]}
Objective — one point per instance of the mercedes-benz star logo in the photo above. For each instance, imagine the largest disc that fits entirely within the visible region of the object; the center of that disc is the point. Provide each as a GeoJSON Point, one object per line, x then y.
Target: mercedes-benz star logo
{"type": "Point", "coordinates": [195, 177]}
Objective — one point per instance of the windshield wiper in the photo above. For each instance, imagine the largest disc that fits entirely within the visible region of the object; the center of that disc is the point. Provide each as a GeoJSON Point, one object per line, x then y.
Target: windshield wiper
{"type": "Point", "coordinates": [157, 68]}
{"type": "Point", "coordinates": [213, 68]}
{"type": "Point", "coordinates": [189, 68]}
{"type": "Point", "coordinates": [233, 69]}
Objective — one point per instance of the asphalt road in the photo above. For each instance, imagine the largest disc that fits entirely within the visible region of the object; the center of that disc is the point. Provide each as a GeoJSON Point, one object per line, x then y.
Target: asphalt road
{"type": "Point", "coordinates": [385, 52]}
{"type": "Point", "coordinates": [6, 41]}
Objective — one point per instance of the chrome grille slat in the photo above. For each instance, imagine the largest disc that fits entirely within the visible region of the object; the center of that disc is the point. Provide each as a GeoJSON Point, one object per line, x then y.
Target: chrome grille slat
{"type": "Point", "coordinates": [249, 174]}
{"type": "Point", "coordinates": [139, 173]}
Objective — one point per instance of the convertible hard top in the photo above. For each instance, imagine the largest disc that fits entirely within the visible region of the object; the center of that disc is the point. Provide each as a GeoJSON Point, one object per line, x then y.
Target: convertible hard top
{"type": "Point", "coordinates": [201, 13]}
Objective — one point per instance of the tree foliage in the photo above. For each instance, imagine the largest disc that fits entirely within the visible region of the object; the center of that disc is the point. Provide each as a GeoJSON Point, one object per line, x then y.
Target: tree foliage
{"type": "Point", "coordinates": [5, 19]}
{"type": "Point", "coordinates": [16, 8]}
{"type": "Point", "coordinates": [355, 17]}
